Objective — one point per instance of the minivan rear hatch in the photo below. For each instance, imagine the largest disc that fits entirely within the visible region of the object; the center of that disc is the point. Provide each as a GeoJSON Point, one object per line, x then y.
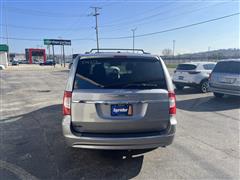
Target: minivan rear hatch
{"type": "Point", "coordinates": [120, 95]}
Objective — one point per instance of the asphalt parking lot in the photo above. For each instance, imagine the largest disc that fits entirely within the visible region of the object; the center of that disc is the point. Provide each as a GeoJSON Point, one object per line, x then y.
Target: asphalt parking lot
{"type": "Point", "coordinates": [32, 146]}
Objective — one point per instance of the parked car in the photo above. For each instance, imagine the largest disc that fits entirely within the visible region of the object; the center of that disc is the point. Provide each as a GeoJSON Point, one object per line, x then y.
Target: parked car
{"type": "Point", "coordinates": [22, 61]}
{"type": "Point", "coordinates": [15, 63]}
{"type": "Point", "coordinates": [114, 101]}
{"type": "Point", "coordinates": [25, 62]}
{"type": "Point", "coordinates": [48, 63]}
{"type": "Point", "coordinates": [225, 78]}
{"type": "Point", "coordinates": [193, 74]}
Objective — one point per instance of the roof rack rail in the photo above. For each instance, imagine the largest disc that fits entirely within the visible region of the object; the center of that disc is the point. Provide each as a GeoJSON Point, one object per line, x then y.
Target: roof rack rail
{"type": "Point", "coordinates": [118, 50]}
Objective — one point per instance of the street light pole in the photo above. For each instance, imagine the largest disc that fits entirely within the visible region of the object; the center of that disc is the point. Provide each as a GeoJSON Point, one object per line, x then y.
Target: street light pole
{"type": "Point", "coordinates": [64, 61]}
{"type": "Point", "coordinates": [133, 30]}
{"type": "Point", "coordinates": [174, 47]}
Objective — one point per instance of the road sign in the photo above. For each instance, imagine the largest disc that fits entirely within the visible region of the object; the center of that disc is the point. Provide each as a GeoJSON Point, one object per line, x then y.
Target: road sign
{"type": "Point", "coordinates": [57, 42]}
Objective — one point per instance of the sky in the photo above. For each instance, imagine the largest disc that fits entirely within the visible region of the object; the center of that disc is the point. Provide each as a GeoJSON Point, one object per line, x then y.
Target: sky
{"type": "Point", "coordinates": [32, 21]}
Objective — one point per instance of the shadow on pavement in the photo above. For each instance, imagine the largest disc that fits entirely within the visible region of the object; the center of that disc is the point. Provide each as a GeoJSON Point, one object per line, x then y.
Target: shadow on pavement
{"type": "Point", "coordinates": [187, 91]}
{"type": "Point", "coordinates": [208, 104]}
{"type": "Point", "coordinates": [35, 143]}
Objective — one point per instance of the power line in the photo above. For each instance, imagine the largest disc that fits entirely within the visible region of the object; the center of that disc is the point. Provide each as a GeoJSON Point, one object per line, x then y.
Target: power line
{"type": "Point", "coordinates": [89, 28]}
{"type": "Point", "coordinates": [44, 13]}
{"type": "Point", "coordinates": [189, 25]}
{"type": "Point", "coordinates": [133, 16]}
{"type": "Point", "coordinates": [173, 29]}
{"type": "Point", "coordinates": [136, 22]}
{"type": "Point", "coordinates": [83, 39]}
{"type": "Point", "coordinates": [25, 39]}
{"type": "Point", "coordinates": [104, 26]}
{"type": "Point", "coordinates": [48, 29]}
{"type": "Point", "coordinates": [140, 35]}
{"type": "Point", "coordinates": [35, 39]}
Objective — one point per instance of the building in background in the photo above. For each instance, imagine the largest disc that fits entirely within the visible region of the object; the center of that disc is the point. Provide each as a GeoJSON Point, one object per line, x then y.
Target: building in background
{"type": "Point", "coordinates": [17, 57]}
{"type": "Point", "coordinates": [35, 56]}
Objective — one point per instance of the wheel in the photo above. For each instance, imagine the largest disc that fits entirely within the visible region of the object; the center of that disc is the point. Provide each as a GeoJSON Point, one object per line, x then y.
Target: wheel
{"type": "Point", "coordinates": [218, 95]}
{"type": "Point", "coordinates": [179, 87]}
{"type": "Point", "coordinates": [204, 87]}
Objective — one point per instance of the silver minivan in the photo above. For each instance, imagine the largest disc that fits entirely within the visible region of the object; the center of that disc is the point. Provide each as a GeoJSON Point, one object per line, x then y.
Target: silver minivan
{"type": "Point", "coordinates": [119, 101]}
{"type": "Point", "coordinates": [225, 78]}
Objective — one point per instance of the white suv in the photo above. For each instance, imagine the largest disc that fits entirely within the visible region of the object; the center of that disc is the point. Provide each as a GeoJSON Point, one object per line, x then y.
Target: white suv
{"type": "Point", "coordinates": [193, 74]}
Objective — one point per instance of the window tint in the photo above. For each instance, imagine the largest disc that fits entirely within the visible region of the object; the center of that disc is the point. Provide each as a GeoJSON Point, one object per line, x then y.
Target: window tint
{"type": "Point", "coordinates": [118, 73]}
{"type": "Point", "coordinates": [186, 67]}
{"type": "Point", "coordinates": [231, 67]}
{"type": "Point", "coordinates": [208, 66]}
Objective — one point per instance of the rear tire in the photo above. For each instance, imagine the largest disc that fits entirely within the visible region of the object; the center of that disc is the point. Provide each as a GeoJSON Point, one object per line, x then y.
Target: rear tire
{"type": "Point", "coordinates": [218, 95]}
{"type": "Point", "coordinates": [204, 86]}
{"type": "Point", "coordinates": [179, 87]}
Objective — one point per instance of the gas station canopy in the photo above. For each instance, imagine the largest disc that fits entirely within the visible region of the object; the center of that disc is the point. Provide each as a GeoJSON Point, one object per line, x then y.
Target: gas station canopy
{"type": "Point", "coordinates": [3, 48]}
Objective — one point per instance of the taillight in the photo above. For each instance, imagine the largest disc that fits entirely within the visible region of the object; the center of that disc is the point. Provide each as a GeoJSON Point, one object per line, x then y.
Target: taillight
{"type": "Point", "coordinates": [67, 98]}
{"type": "Point", "coordinates": [172, 103]}
{"type": "Point", "coordinates": [209, 76]}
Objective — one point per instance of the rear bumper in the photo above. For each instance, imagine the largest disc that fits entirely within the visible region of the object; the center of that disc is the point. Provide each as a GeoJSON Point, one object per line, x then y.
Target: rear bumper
{"type": "Point", "coordinates": [225, 91]}
{"type": "Point", "coordinates": [79, 140]}
{"type": "Point", "coordinates": [186, 84]}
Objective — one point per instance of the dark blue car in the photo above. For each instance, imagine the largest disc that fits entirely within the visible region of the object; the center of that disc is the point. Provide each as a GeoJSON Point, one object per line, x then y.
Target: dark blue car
{"type": "Point", "coordinates": [48, 63]}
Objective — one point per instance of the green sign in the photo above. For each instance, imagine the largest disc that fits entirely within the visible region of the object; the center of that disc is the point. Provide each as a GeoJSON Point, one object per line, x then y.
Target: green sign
{"type": "Point", "coordinates": [3, 48]}
{"type": "Point", "coordinates": [57, 42]}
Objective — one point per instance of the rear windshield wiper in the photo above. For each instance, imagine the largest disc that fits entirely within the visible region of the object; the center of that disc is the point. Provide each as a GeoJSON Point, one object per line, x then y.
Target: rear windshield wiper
{"type": "Point", "coordinates": [143, 85]}
{"type": "Point", "coordinates": [146, 83]}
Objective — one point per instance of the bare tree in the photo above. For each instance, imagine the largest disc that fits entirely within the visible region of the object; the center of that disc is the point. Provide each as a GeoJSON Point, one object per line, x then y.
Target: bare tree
{"type": "Point", "coordinates": [167, 52]}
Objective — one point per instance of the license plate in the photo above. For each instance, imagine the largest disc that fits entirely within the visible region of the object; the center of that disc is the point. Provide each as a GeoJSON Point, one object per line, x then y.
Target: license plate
{"type": "Point", "coordinates": [121, 110]}
{"type": "Point", "coordinates": [180, 77]}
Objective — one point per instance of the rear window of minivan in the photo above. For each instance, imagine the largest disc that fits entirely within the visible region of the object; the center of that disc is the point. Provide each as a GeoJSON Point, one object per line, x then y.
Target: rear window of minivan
{"type": "Point", "coordinates": [119, 73]}
{"type": "Point", "coordinates": [186, 67]}
{"type": "Point", "coordinates": [231, 67]}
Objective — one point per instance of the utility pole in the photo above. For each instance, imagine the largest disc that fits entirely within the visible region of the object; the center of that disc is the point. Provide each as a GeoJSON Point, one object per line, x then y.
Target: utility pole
{"type": "Point", "coordinates": [133, 31]}
{"type": "Point", "coordinates": [96, 13]}
{"type": "Point", "coordinates": [174, 47]}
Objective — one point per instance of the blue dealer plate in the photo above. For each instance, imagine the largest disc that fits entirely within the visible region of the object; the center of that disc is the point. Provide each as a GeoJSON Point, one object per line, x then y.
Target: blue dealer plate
{"type": "Point", "coordinates": [121, 110]}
